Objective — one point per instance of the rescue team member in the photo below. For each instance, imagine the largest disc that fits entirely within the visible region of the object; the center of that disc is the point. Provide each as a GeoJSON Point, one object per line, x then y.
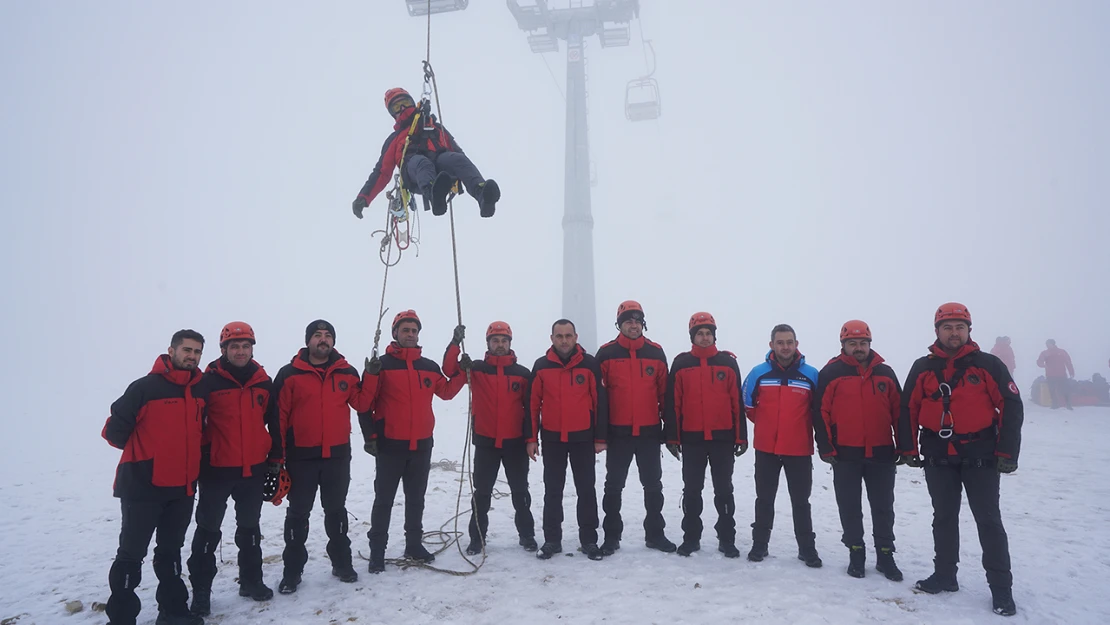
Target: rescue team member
{"type": "Point", "coordinates": [398, 432]}
{"type": "Point", "coordinates": [634, 371]}
{"type": "Point", "coordinates": [779, 395]}
{"type": "Point", "coordinates": [965, 408]}
{"type": "Point", "coordinates": [240, 435]}
{"type": "Point", "coordinates": [157, 424]}
{"type": "Point", "coordinates": [316, 392]}
{"type": "Point", "coordinates": [705, 425]}
{"type": "Point", "coordinates": [569, 410]}
{"type": "Point", "coordinates": [854, 419]}
{"type": "Point", "coordinates": [502, 424]}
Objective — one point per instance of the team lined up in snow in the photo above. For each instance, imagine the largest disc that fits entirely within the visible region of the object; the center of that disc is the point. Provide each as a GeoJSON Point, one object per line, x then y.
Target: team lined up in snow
{"type": "Point", "coordinates": [246, 436]}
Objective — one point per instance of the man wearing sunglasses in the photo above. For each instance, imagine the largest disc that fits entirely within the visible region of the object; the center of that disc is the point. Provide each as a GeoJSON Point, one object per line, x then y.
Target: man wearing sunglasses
{"type": "Point", "coordinates": [429, 158]}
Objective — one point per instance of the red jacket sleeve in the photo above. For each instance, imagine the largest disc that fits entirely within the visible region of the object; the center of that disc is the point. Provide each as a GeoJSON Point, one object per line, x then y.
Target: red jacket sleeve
{"type": "Point", "coordinates": [536, 403]}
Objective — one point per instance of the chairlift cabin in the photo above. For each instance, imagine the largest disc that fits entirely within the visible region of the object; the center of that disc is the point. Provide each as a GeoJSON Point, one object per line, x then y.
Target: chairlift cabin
{"type": "Point", "coordinates": [418, 8]}
{"type": "Point", "coordinates": [641, 100]}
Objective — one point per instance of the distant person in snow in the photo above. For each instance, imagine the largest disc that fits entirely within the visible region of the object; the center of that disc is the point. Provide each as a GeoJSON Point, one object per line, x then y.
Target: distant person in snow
{"type": "Point", "coordinates": [854, 420]}
{"type": "Point", "coordinates": [397, 431]}
{"type": "Point", "coordinates": [634, 370]}
{"type": "Point", "coordinates": [964, 409]}
{"type": "Point", "coordinates": [570, 410]}
{"type": "Point", "coordinates": [1005, 353]}
{"type": "Point", "coordinates": [703, 421]}
{"type": "Point", "coordinates": [1057, 372]}
{"type": "Point", "coordinates": [780, 398]}
{"type": "Point", "coordinates": [157, 424]}
{"type": "Point", "coordinates": [430, 160]}
{"type": "Point", "coordinates": [502, 435]}
{"type": "Point", "coordinates": [241, 444]}
{"type": "Point", "coordinates": [316, 392]}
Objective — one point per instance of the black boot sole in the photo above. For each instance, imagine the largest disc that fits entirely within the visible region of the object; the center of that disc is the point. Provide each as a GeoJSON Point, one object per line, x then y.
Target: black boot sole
{"type": "Point", "coordinates": [255, 597]}
{"type": "Point", "coordinates": [440, 188]}
{"type": "Point", "coordinates": [491, 194]}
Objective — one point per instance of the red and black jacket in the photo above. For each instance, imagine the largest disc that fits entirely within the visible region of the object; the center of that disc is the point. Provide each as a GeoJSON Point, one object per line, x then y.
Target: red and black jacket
{"type": "Point", "coordinates": [856, 410]}
{"type": "Point", "coordinates": [780, 402]}
{"type": "Point", "coordinates": [425, 141]}
{"type": "Point", "coordinates": [400, 416]}
{"type": "Point", "coordinates": [985, 410]}
{"type": "Point", "coordinates": [569, 402]}
{"type": "Point", "coordinates": [241, 427]}
{"type": "Point", "coordinates": [703, 398]}
{"type": "Point", "coordinates": [158, 423]}
{"type": "Point", "coordinates": [635, 376]}
{"type": "Point", "coordinates": [314, 406]}
{"type": "Point", "coordinates": [501, 396]}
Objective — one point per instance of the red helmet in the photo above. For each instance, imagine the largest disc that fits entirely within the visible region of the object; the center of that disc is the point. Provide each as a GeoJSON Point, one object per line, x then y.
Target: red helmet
{"type": "Point", "coordinates": [236, 331]}
{"type": "Point", "coordinates": [952, 311]}
{"type": "Point", "coordinates": [276, 487]}
{"type": "Point", "coordinates": [702, 319]}
{"type": "Point", "coordinates": [854, 329]}
{"type": "Point", "coordinates": [499, 328]}
{"type": "Point", "coordinates": [406, 315]}
{"type": "Point", "coordinates": [629, 306]}
{"type": "Point", "coordinates": [397, 100]}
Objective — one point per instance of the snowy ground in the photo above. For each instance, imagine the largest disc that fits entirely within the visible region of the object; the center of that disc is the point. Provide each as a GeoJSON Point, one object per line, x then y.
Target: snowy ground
{"type": "Point", "coordinates": [59, 532]}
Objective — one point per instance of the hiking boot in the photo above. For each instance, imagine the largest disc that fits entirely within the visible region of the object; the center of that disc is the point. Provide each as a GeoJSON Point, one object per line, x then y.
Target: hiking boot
{"type": "Point", "coordinates": [256, 590]}
{"type": "Point", "coordinates": [1003, 600]}
{"type": "Point", "coordinates": [857, 557]}
{"type": "Point", "coordinates": [487, 198]}
{"type": "Point", "coordinates": [688, 547]}
{"type": "Point", "coordinates": [937, 583]}
{"type": "Point", "coordinates": [729, 549]}
{"type": "Point", "coordinates": [660, 543]}
{"type": "Point", "coordinates": [609, 547]}
{"type": "Point", "coordinates": [419, 553]}
{"type": "Point", "coordinates": [758, 552]}
{"type": "Point", "coordinates": [289, 583]}
{"type": "Point", "coordinates": [884, 563]}
{"type": "Point", "coordinates": [202, 601]}
{"type": "Point", "coordinates": [474, 548]}
{"type": "Point", "coordinates": [592, 551]}
{"type": "Point", "coordinates": [548, 550]}
{"type": "Point", "coordinates": [377, 561]}
{"type": "Point", "coordinates": [810, 557]}
{"type": "Point", "coordinates": [441, 186]}
{"type": "Point", "coordinates": [529, 543]}
{"type": "Point", "coordinates": [345, 572]}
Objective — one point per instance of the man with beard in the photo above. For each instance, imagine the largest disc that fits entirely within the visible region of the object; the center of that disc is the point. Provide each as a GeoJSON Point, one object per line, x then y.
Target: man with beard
{"type": "Point", "coordinates": [398, 433]}
{"type": "Point", "coordinates": [634, 371]}
{"type": "Point", "coordinates": [570, 410]}
{"type": "Point", "coordinates": [965, 408]}
{"type": "Point", "coordinates": [502, 432]}
{"type": "Point", "coordinates": [157, 424]}
{"type": "Point", "coordinates": [854, 420]}
{"type": "Point", "coordinates": [705, 426]}
{"type": "Point", "coordinates": [240, 434]}
{"type": "Point", "coordinates": [779, 396]}
{"type": "Point", "coordinates": [315, 393]}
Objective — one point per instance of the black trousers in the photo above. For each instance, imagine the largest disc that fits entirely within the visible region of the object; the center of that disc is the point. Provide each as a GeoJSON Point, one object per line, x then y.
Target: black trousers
{"type": "Point", "coordinates": [799, 482]}
{"type": "Point", "coordinates": [618, 457]}
{"type": "Point", "coordinates": [393, 467]}
{"type": "Point", "coordinates": [332, 476]}
{"type": "Point", "coordinates": [211, 506]}
{"type": "Point", "coordinates": [580, 456]}
{"type": "Point", "coordinates": [720, 459]}
{"type": "Point", "coordinates": [487, 462]}
{"type": "Point", "coordinates": [422, 170]}
{"type": "Point", "coordinates": [848, 480]}
{"type": "Point", "coordinates": [945, 485]}
{"type": "Point", "coordinates": [167, 521]}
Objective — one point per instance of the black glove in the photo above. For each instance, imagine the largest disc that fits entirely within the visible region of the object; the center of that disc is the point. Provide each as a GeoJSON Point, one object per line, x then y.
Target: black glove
{"type": "Point", "coordinates": [1006, 465]}
{"type": "Point", "coordinates": [675, 450]}
{"type": "Point", "coordinates": [357, 206]}
{"type": "Point", "coordinates": [829, 460]}
{"type": "Point", "coordinates": [465, 363]}
{"type": "Point", "coordinates": [274, 468]}
{"type": "Point", "coordinates": [371, 447]}
{"type": "Point", "coordinates": [914, 461]}
{"type": "Point", "coordinates": [374, 366]}
{"type": "Point", "coordinates": [739, 448]}
{"type": "Point", "coordinates": [459, 335]}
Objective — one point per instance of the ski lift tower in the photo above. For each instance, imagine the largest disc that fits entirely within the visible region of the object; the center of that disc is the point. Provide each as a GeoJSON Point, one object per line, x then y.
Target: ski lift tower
{"type": "Point", "coordinates": [609, 20]}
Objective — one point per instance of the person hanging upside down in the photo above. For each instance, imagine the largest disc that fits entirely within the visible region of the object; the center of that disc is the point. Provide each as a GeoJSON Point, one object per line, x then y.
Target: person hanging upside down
{"type": "Point", "coordinates": [430, 164]}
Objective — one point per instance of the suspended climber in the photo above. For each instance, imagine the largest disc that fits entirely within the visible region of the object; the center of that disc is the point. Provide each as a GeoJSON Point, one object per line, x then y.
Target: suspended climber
{"type": "Point", "coordinates": [428, 157]}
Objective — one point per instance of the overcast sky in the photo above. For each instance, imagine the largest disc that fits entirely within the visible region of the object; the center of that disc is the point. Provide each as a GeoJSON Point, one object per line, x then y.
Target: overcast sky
{"type": "Point", "coordinates": [170, 165]}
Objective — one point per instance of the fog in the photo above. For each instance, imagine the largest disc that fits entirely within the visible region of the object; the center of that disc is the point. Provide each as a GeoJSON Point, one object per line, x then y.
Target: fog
{"type": "Point", "coordinates": [167, 167]}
